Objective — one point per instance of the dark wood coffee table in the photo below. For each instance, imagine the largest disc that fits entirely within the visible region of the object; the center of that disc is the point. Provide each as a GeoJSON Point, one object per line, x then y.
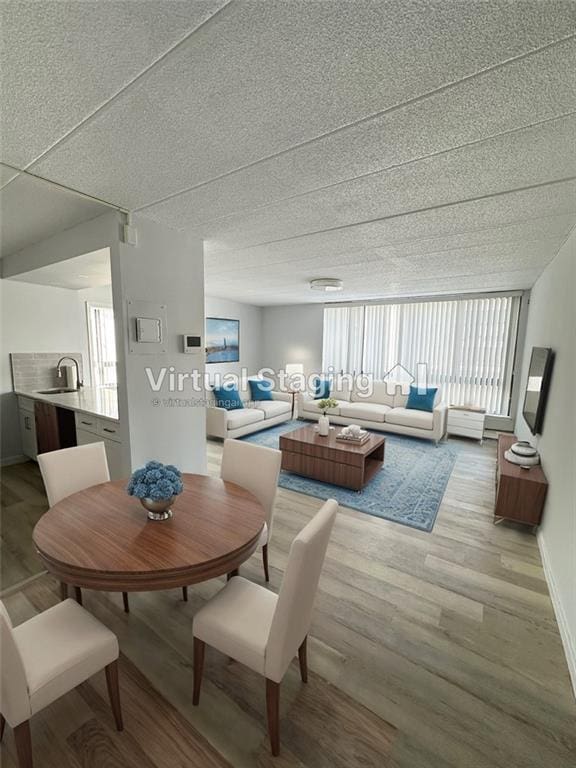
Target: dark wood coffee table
{"type": "Point", "coordinates": [350, 465]}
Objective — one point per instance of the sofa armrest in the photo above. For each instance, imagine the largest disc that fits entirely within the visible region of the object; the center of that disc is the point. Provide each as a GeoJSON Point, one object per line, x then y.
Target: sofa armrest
{"type": "Point", "coordinates": [302, 397]}
{"type": "Point", "coordinates": [285, 396]}
{"type": "Point", "coordinates": [216, 419]}
{"type": "Point", "coordinates": [439, 420]}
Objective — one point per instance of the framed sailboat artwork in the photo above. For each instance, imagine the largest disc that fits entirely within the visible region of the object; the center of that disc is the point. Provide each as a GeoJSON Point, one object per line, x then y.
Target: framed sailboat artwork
{"type": "Point", "coordinates": [222, 340]}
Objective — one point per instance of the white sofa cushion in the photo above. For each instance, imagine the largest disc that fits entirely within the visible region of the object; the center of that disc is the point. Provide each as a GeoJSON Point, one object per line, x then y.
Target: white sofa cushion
{"type": "Point", "coordinates": [245, 396]}
{"type": "Point", "coordinates": [341, 390]}
{"type": "Point", "coordinates": [311, 406]}
{"type": "Point", "coordinates": [409, 417]}
{"type": "Point", "coordinates": [241, 417]}
{"type": "Point", "coordinates": [382, 393]}
{"type": "Point", "coordinates": [400, 399]}
{"type": "Point", "coordinates": [273, 408]}
{"type": "Point", "coordinates": [364, 411]}
{"type": "Point", "coordinates": [237, 621]}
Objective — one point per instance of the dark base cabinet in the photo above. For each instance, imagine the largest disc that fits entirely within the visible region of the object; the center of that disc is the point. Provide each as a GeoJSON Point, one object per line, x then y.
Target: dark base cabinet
{"type": "Point", "coordinates": [55, 427]}
{"type": "Point", "coordinates": [520, 493]}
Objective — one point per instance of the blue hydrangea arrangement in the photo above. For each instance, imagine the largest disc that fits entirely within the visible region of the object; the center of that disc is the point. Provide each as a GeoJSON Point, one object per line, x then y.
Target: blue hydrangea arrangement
{"type": "Point", "coordinates": [155, 481]}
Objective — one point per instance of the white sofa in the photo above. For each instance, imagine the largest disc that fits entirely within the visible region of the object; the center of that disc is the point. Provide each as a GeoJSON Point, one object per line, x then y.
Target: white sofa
{"type": "Point", "coordinates": [256, 414]}
{"type": "Point", "coordinates": [384, 409]}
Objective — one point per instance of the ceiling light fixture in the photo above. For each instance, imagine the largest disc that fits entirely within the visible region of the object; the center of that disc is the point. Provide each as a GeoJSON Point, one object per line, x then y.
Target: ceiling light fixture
{"type": "Point", "coordinates": [326, 284]}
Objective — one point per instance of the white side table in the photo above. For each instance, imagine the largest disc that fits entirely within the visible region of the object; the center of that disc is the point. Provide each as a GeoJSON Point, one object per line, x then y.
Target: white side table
{"type": "Point", "coordinates": [466, 421]}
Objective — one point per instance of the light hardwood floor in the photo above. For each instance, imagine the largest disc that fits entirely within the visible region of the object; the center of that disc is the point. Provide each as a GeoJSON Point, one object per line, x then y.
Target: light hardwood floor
{"type": "Point", "coordinates": [22, 503]}
{"type": "Point", "coordinates": [435, 650]}
{"type": "Point", "coordinates": [79, 732]}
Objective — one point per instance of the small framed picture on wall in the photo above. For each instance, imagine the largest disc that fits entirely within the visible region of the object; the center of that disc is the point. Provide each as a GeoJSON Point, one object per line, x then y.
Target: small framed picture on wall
{"type": "Point", "coordinates": [222, 340]}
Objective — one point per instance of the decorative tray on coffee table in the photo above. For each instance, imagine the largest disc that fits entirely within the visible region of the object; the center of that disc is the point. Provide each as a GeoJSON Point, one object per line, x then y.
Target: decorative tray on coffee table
{"type": "Point", "coordinates": [363, 436]}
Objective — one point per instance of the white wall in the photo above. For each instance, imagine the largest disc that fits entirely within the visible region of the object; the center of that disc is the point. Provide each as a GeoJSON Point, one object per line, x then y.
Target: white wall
{"type": "Point", "coordinates": [251, 351]}
{"type": "Point", "coordinates": [35, 318]}
{"type": "Point", "coordinates": [552, 323]}
{"type": "Point", "coordinates": [101, 232]}
{"type": "Point", "coordinates": [166, 267]}
{"type": "Point", "coordinates": [293, 334]}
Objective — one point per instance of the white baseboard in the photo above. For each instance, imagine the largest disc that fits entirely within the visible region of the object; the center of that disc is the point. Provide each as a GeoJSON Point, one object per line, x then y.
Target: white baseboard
{"type": "Point", "coordinates": [568, 641]}
{"type": "Point", "coordinates": [8, 460]}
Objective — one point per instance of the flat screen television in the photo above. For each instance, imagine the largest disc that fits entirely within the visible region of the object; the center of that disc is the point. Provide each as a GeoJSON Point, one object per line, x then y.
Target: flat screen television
{"type": "Point", "coordinates": [537, 387]}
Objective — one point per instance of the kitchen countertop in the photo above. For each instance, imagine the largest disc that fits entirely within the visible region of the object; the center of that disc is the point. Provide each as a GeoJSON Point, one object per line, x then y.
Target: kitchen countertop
{"type": "Point", "coordinates": [96, 401]}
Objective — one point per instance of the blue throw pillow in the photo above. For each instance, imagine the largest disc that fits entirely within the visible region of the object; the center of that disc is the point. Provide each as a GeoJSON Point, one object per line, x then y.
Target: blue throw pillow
{"type": "Point", "coordinates": [423, 402]}
{"type": "Point", "coordinates": [228, 397]}
{"type": "Point", "coordinates": [321, 388]}
{"type": "Point", "coordinates": [261, 389]}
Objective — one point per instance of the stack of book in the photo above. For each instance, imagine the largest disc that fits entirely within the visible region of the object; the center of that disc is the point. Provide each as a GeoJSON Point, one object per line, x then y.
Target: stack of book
{"type": "Point", "coordinates": [362, 437]}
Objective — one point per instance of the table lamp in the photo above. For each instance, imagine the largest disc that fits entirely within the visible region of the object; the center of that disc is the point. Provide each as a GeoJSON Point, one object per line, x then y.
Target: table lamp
{"type": "Point", "coordinates": [294, 371]}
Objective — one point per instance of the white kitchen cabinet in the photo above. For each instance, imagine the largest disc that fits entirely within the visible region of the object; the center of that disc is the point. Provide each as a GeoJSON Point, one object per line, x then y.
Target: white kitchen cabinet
{"type": "Point", "coordinates": [94, 430]}
{"type": "Point", "coordinates": [90, 428]}
{"type": "Point", "coordinates": [28, 433]}
{"type": "Point", "coordinates": [109, 429]}
{"type": "Point", "coordinates": [86, 422]}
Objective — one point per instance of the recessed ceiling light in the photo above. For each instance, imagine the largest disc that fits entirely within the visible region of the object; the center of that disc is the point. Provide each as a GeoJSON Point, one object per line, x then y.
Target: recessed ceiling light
{"type": "Point", "coordinates": [326, 284]}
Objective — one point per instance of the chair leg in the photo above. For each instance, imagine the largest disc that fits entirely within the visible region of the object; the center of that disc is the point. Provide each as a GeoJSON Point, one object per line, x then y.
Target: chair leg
{"type": "Point", "coordinates": [78, 595]}
{"type": "Point", "coordinates": [23, 744]}
{"type": "Point", "coordinates": [185, 594]}
{"type": "Point", "coordinates": [273, 710]}
{"type": "Point", "coordinates": [2, 726]}
{"type": "Point", "coordinates": [265, 561]}
{"type": "Point", "coordinates": [125, 601]}
{"type": "Point", "coordinates": [63, 591]}
{"type": "Point", "coordinates": [303, 659]}
{"type": "Point", "coordinates": [114, 693]}
{"type": "Point", "coordinates": [199, 648]}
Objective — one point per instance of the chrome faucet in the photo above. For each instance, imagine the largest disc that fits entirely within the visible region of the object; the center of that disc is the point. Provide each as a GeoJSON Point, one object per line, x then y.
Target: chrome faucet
{"type": "Point", "coordinates": [59, 370]}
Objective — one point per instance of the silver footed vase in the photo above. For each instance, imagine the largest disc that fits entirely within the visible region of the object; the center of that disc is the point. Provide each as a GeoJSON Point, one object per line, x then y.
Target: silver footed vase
{"type": "Point", "coordinates": [158, 510]}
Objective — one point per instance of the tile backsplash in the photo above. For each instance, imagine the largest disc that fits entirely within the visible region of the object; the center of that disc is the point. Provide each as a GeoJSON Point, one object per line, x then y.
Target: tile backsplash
{"type": "Point", "coordinates": [37, 370]}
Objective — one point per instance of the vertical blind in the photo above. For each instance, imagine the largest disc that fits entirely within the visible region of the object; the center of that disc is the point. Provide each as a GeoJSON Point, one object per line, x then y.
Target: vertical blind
{"type": "Point", "coordinates": [466, 345]}
{"type": "Point", "coordinates": [102, 340]}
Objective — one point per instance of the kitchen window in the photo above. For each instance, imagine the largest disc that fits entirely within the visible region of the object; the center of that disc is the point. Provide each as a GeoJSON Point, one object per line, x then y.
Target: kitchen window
{"type": "Point", "coordinates": [102, 344]}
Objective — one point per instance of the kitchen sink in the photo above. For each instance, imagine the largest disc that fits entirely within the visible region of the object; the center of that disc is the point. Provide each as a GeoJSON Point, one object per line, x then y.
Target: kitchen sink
{"type": "Point", "coordinates": [56, 391]}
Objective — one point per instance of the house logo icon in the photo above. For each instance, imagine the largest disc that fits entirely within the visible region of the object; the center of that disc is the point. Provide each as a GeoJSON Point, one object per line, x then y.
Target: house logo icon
{"type": "Point", "coordinates": [399, 376]}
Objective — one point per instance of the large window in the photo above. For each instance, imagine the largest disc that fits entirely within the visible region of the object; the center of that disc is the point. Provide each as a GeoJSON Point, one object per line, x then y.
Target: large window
{"type": "Point", "coordinates": [466, 345]}
{"type": "Point", "coordinates": [102, 341]}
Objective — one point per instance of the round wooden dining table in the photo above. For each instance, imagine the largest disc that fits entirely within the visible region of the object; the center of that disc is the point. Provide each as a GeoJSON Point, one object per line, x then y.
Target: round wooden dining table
{"type": "Point", "coordinates": [101, 538]}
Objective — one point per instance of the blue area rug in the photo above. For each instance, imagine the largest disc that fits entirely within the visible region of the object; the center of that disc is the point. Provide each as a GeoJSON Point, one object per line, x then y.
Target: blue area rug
{"type": "Point", "coordinates": [407, 490]}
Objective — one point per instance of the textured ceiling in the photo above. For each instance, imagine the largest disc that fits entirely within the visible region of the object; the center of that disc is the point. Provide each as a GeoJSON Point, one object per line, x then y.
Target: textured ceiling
{"type": "Point", "coordinates": [406, 146]}
{"type": "Point", "coordinates": [90, 270]}
{"type": "Point", "coordinates": [32, 210]}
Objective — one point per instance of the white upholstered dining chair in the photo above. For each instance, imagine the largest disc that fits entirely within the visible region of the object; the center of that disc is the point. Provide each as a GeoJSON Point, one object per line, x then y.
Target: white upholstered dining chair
{"type": "Point", "coordinates": [45, 658]}
{"type": "Point", "coordinates": [262, 630]}
{"type": "Point", "coordinates": [255, 468]}
{"type": "Point", "coordinates": [70, 470]}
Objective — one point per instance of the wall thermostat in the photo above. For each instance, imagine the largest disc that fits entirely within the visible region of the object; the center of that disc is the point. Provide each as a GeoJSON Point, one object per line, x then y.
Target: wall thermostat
{"type": "Point", "coordinates": [192, 343]}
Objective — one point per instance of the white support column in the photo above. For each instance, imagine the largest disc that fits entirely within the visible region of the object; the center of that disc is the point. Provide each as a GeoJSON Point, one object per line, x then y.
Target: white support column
{"type": "Point", "coordinates": [164, 271]}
